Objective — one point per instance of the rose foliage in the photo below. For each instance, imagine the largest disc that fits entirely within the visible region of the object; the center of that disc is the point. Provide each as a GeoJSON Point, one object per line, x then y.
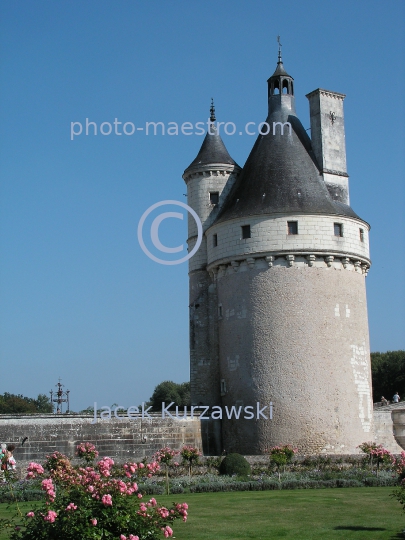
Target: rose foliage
{"type": "Point", "coordinates": [84, 502]}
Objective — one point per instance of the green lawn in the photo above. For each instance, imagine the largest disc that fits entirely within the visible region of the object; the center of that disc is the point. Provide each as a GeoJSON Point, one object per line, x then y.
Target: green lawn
{"type": "Point", "coordinates": [358, 513]}
{"type": "Point", "coordinates": [349, 513]}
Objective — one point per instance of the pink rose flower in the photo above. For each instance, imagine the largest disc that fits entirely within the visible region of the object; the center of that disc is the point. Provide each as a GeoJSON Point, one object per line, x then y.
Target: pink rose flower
{"type": "Point", "coordinates": [51, 516]}
{"type": "Point", "coordinates": [106, 500]}
{"type": "Point", "coordinates": [167, 531]}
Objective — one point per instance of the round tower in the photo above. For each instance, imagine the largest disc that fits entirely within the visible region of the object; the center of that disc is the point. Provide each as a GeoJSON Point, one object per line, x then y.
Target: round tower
{"type": "Point", "coordinates": [209, 179]}
{"type": "Point", "coordinates": [289, 263]}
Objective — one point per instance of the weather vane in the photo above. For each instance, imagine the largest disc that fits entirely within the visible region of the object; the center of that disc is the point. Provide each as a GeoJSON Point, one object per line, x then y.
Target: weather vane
{"type": "Point", "coordinates": [212, 111]}
{"type": "Point", "coordinates": [279, 48]}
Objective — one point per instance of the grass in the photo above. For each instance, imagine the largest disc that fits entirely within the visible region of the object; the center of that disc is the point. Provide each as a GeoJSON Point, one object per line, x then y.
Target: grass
{"type": "Point", "coordinates": [327, 514]}
{"type": "Point", "coordinates": [350, 513]}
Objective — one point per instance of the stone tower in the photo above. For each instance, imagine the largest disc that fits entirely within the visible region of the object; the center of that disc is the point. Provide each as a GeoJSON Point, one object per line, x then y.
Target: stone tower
{"type": "Point", "coordinates": [277, 290]}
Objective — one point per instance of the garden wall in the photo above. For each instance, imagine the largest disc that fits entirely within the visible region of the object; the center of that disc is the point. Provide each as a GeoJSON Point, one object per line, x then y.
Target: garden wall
{"type": "Point", "coordinates": [138, 438]}
{"type": "Point", "coordinates": [388, 427]}
{"type": "Point", "coordinates": [119, 439]}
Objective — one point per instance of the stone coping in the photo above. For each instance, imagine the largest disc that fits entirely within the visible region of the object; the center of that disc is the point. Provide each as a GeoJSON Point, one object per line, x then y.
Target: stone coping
{"type": "Point", "coordinates": [391, 407]}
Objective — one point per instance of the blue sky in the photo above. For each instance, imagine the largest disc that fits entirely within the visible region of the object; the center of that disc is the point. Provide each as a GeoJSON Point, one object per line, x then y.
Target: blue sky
{"type": "Point", "coordinates": [78, 298]}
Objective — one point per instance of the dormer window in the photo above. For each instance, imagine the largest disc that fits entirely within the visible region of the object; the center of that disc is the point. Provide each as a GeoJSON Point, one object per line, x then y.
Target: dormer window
{"type": "Point", "coordinates": [214, 198]}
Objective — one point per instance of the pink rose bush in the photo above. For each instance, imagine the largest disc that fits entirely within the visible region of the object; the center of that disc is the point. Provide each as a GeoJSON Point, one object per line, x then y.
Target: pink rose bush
{"type": "Point", "coordinates": [377, 453]}
{"type": "Point", "coordinates": [281, 456]}
{"type": "Point", "coordinates": [34, 469]}
{"type": "Point", "coordinates": [86, 451]}
{"type": "Point", "coordinates": [165, 455]}
{"type": "Point", "coordinates": [190, 455]}
{"type": "Point", "coordinates": [88, 502]}
{"type": "Point", "coordinates": [140, 470]}
{"type": "Point", "coordinates": [399, 465]}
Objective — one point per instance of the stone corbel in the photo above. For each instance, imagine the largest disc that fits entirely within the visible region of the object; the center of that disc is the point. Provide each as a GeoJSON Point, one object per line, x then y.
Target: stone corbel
{"type": "Point", "coordinates": [290, 259]}
{"type": "Point", "coordinates": [345, 262]}
{"type": "Point", "coordinates": [365, 268]}
{"type": "Point", "coordinates": [251, 262]}
{"type": "Point", "coordinates": [270, 260]}
{"type": "Point", "coordinates": [357, 266]}
{"type": "Point", "coordinates": [311, 259]}
{"type": "Point", "coordinates": [329, 260]}
{"type": "Point", "coordinates": [214, 273]}
{"type": "Point", "coordinates": [235, 265]}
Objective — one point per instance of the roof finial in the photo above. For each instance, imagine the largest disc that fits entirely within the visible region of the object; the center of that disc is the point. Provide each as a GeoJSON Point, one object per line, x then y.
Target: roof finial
{"type": "Point", "coordinates": [212, 111]}
{"type": "Point", "coordinates": [279, 50]}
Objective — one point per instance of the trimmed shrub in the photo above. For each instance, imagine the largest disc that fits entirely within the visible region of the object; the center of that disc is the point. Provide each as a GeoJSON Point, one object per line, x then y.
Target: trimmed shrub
{"type": "Point", "coordinates": [372, 481]}
{"type": "Point", "coordinates": [151, 489]}
{"type": "Point", "coordinates": [175, 490]}
{"type": "Point", "coordinates": [235, 464]}
{"type": "Point", "coordinates": [21, 496]}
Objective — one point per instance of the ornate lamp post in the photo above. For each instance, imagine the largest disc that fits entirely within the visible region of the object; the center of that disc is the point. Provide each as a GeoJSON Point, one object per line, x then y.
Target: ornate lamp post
{"type": "Point", "coordinates": [61, 396]}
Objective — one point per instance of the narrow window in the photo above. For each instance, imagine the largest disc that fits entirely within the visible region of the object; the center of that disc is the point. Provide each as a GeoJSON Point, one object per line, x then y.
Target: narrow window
{"type": "Point", "coordinates": [276, 88]}
{"type": "Point", "coordinates": [214, 240]}
{"type": "Point", "coordinates": [220, 310]}
{"type": "Point", "coordinates": [338, 229]}
{"type": "Point", "coordinates": [292, 227]}
{"type": "Point", "coordinates": [361, 235]}
{"type": "Point", "coordinates": [285, 86]}
{"type": "Point", "coordinates": [223, 387]}
{"type": "Point", "coordinates": [245, 231]}
{"type": "Point", "coordinates": [214, 197]}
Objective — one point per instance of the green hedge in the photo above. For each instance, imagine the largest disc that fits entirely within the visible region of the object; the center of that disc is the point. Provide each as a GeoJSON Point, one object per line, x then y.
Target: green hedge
{"type": "Point", "coordinates": [21, 496]}
{"type": "Point", "coordinates": [235, 464]}
{"type": "Point", "coordinates": [151, 489]}
{"type": "Point", "coordinates": [212, 487]}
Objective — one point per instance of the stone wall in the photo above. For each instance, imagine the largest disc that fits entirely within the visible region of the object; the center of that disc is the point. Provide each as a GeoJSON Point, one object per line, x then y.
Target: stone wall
{"type": "Point", "coordinates": [315, 235]}
{"type": "Point", "coordinates": [296, 337]}
{"type": "Point", "coordinates": [120, 439]}
{"type": "Point", "coordinates": [136, 439]}
{"type": "Point", "coordinates": [384, 429]}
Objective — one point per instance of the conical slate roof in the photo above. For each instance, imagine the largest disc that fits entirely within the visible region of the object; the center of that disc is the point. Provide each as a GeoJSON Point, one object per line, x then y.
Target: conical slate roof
{"type": "Point", "coordinates": [280, 70]}
{"type": "Point", "coordinates": [212, 151]}
{"type": "Point", "coordinates": [281, 174]}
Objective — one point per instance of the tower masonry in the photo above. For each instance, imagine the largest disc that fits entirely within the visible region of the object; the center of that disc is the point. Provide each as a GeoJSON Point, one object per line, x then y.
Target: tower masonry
{"type": "Point", "coordinates": [209, 179]}
{"type": "Point", "coordinates": [278, 311]}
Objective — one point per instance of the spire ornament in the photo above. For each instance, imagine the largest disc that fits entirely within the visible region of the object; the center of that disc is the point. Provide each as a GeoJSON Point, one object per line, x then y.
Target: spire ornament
{"type": "Point", "coordinates": [212, 111]}
{"type": "Point", "coordinates": [279, 50]}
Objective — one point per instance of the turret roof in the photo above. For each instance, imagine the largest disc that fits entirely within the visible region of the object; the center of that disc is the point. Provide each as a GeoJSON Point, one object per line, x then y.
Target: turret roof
{"type": "Point", "coordinates": [212, 151]}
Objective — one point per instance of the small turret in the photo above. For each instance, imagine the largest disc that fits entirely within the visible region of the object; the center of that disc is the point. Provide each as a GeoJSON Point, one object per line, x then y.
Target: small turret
{"type": "Point", "coordinates": [209, 178]}
{"type": "Point", "coordinates": [281, 88]}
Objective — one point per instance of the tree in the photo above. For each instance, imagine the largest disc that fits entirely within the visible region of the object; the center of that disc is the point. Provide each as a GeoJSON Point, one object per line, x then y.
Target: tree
{"type": "Point", "coordinates": [19, 404]}
{"type": "Point", "coordinates": [388, 374]}
{"type": "Point", "coordinates": [169, 391]}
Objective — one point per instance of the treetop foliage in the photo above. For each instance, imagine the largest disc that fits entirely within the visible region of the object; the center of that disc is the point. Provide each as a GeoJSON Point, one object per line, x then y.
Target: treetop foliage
{"type": "Point", "coordinates": [168, 391]}
{"type": "Point", "coordinates": [19, 404]}
{"type": "Point", "coordinates": [388, 373]}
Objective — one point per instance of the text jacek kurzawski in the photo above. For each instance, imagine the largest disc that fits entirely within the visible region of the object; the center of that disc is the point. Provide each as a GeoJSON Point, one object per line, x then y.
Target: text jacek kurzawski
{"type": "Point", "coordinates": [249, 412]}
